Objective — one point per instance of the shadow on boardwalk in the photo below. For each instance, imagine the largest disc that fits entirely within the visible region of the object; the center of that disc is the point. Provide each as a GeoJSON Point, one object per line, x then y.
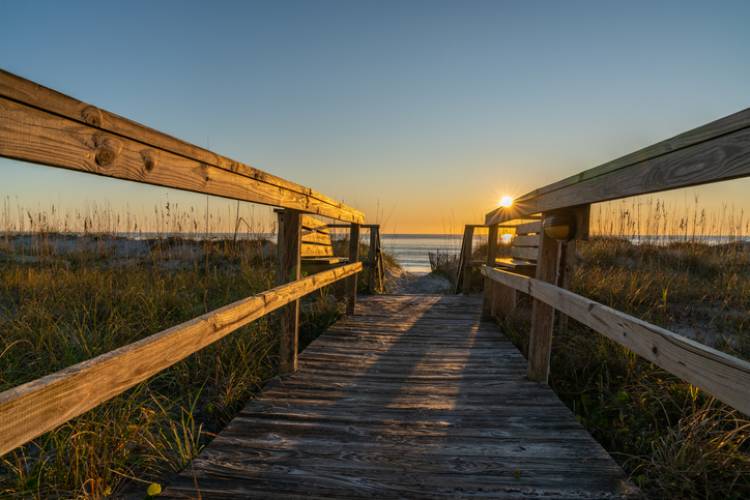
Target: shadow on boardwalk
{"type": "Point", "coordinates": [413, 397]}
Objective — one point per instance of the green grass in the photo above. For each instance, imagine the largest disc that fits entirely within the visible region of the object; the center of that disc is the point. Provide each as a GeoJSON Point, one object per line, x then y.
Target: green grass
{"type": "Point", "coordinates": [57, 310]}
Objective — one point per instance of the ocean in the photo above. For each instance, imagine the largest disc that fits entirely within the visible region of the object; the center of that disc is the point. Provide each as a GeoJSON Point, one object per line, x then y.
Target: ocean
{"type": "Point", "coordinates": [412, 250]}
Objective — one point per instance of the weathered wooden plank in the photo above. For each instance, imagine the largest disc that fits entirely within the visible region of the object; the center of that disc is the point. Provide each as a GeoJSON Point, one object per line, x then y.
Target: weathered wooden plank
{"type": "Point", "coordinates": [490, 261]}
{"type": "Point", "coordinates": [351, 282]}
{"type": "Point", "coordinates": [715, 152]}
{"type": "Point", "coordinates": [525, 253]}
{"type": "Point", "coordinates": [90, 122]}
{"type": "Point", "coordinates": [542, 314]}
{"type": "Point", "coordinates": [315, 250]}
{"type": "Point", "coordinates": [526, 241]}
{"type": "Point", "coordinates": [527, 228]}
{"type": "Point", "coordinates": [288, 269]}
{"type": "Point", "coordinates": [719, 374]}
{"type": "Point", "coordinates": [467, 251]}
{"type": "Point", "coordinates": [36, 407]}
{"type": "Point", "coordinates": [431, 412]}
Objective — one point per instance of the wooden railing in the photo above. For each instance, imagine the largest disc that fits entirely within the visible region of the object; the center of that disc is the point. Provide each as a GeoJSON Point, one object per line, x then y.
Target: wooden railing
{"type": "Point", "coordinates": [42, 126]}
{"type": "Point", "coordinates": [714, 152]}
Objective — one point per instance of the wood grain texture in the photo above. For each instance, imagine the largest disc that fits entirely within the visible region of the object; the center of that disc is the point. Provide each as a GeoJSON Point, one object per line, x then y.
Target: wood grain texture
{"type": "Point", "coordinates": [467, 251]}
{"type": "Point", "coordinates": [413, 397]}
{"type": "Point", "coordinates": [542, 314]}
{"type": "Point", "coordinates": [351, 282]}
{"type": "Point", "coordinates": [721, 375]}
{"type": "Point", "coordinates": [36, 122]}
{"type": "Point", "coordinates": [488, 289]}
{"type": "Point", "coordinates": [526, 228]}
{"type": "Point", "coordinates": [526, 241]}
{"type": "Point", "coordinates": [288, 269]}
{"type": "Point", "coordinates": [525, 253]}
{"type": "Point", "coordinates": [31, 409]}
{"type": "Point", "coordinates": [714, 152]}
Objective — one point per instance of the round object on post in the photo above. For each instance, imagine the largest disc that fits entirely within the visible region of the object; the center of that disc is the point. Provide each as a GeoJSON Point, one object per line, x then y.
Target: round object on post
{"type": "Point", "coordinates": [560, 226]}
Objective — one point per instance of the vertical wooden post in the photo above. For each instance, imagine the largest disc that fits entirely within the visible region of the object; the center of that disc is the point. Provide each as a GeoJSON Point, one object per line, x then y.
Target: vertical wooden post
{"type": "Point", "coordinates": [372, 257]}
{"type": "Point", "coordinates": [488, 291]}
{"type": "Point", "coordinates": [288, 269]}
{"type": "Point", "coordinates": [351, 281]}
{"type": "Point", "coordinates": [543, 315]}
{"type": "Point", "coordinates": [468, 250]}
{"type": "Point", "coordinates": [568, 256]}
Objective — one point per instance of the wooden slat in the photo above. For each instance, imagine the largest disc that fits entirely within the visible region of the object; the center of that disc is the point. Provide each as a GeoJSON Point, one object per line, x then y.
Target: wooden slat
{"type": "Point", "coordinates": [310, 223]}
{"type": "Point", "coordinates": [37, 123]}
{"type": "Point", "coordinates": [31, 409]}
{"type": "Point", "coordinates": [714, 152]}
{"type": "Point", "coordinates": [719, 374]}
{"type": "Point", "coordinates": [525, 253]}
{"type": "Point", "coordinates": [316, 238]}
{"type": "Point", "coordinates": [312, 250]}
{"type": "Point", "coordinates": [414, 397]}
{"type": "Point", "coordinates": [526, 241]}
{"type": "Point", "coordinates": [529, 228]}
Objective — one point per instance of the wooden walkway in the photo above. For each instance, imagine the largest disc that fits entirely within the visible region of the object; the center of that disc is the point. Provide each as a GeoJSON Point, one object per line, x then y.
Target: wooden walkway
{"type": "Point", "coordinates": [413, 397]}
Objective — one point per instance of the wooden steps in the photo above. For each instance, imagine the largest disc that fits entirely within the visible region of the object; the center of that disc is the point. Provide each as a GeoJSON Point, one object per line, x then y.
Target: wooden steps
{"type": "Point", "coordinates": [413, 397]}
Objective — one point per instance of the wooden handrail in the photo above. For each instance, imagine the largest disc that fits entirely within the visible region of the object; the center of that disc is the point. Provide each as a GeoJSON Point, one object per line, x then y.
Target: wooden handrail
{"type": "Point", "coordinates": [43, 126]}
{"type": "Point", "coordinates": [31, 409]}
{"type": "Point", "coordinates": [714, 152]}
{"type": "Point", "coordinates": [724, 376]}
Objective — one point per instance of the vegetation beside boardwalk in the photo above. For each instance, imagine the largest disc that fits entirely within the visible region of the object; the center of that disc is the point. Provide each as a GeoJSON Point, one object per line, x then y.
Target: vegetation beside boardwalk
{"type": "Point", "coordinates": [59, 307]}
{"type": "Point", "coordinates": [674, 440]}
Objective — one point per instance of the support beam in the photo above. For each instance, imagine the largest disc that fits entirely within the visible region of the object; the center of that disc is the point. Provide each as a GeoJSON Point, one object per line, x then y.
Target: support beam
{"type": "Point", "coordinates": [288, 270]}
{"type": "Point", "coordinates": [488, 285]}
{"type": "Point", "coordinates": [467, 249]}
{"type": "Point", "coordinates": [351, 282]}
{"type": "Point", "coordinates": [372, 259]}
{"type": "Point", "coordinates": [543, 315]}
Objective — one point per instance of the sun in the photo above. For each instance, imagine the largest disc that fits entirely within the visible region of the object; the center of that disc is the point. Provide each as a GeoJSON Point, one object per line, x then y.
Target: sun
{"type": "Point", "coordinates": [506, 201]}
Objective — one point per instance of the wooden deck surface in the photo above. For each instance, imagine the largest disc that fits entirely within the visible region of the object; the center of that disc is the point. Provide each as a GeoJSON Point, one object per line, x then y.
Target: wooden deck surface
{"type": "Point", "coordinates": [413, 397]}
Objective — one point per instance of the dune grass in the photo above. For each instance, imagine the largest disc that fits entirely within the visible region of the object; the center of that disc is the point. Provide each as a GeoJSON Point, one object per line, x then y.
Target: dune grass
{"type": "Point", "coordinates": [59, 308]}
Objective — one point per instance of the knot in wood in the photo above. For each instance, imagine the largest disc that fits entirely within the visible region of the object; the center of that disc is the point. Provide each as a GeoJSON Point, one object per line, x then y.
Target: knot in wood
{"type": "Point", "coordinates": [149, 159]}
{"type": "Point", "coordinates": [92, 115]}
{"type": "Point", "coordinates": [107, 149]}
{"type": "Point", "coordinates": [104, 156]}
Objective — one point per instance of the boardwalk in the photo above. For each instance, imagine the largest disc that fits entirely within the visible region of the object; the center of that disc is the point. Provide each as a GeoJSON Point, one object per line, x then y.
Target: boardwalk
{"type": "Point", "coordinates": [412, 397]}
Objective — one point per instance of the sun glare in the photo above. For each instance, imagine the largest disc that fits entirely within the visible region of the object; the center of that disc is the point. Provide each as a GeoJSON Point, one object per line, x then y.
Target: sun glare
{"type": "Point", "coordinates": [506, 201]}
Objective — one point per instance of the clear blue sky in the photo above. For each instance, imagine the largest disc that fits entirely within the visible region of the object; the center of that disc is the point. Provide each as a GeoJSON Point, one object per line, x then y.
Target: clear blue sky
{"type": "Point", "coordinates": [430, 110]}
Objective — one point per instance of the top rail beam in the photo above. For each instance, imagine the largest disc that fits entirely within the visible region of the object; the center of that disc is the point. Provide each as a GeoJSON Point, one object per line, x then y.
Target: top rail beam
{"type": "Point", "coordinates": [714, 152]}
{"type": "Point", "coordinates": [26, 106]}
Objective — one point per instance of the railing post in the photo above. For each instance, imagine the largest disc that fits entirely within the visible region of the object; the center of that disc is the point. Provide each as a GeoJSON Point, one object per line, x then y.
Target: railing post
{"type": "Point", "coordinates": [351, 282]}
{"type": "Point", "coordinates": [543, 315]}
{"type": "Point", "coordinates": [489, 286]}
{"type": "Point", "coordinates": [465, 261]}
{"type": "Point", "coordinates": [288, 269]}
{"type": "Point", "coordinates": [372, 257]}
{"type": "Point", "coordinates": [568, 256]}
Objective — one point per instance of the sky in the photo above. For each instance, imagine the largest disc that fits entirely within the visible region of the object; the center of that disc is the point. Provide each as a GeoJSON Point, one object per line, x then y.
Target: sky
{"type": "Point", "coordinates": [422, 114]}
